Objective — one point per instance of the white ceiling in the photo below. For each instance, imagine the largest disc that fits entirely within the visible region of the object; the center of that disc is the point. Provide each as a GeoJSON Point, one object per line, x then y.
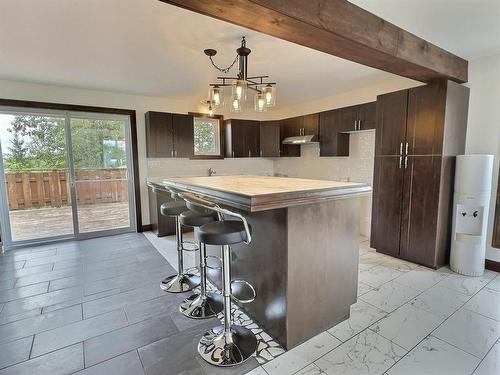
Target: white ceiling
{"type": "Point", "coordinates": [467, 28]}
{"type": "Point", "coordinates": [151, 48]}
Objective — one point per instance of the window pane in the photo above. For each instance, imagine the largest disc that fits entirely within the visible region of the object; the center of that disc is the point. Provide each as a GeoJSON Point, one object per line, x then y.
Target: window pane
{"type": "Point", "coordinates": [206, 136]}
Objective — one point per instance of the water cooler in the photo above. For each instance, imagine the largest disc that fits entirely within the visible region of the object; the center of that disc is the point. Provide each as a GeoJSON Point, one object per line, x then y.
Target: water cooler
{"type": "Point", "coordinates": [473, 178]}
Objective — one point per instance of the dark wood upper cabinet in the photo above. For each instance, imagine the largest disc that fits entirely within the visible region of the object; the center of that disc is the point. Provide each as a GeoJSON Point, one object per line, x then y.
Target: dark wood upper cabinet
{"type": "Point", "coordinates": [310, 124]}
{"type": "Point", "coordinates": [242, 138]}
{"type": "Point", "coordinates": [159, 135]}
{"type": "Point", "coordinates": [426, 110]}
{"type": "Point", "coordinates": [183, 127]}
{"type": "Point", "coordinates": [169, 135]}
{"type": "Point", "coordinates": [418, 134]}
{"type": "Point", "coordinates": [331, 141]}
{"type": "Point", "coordinates": [270, 139]}
{"type": "Point", "coordinates": [367, 115]}
{"type": "Point", "coordinates": [290, 127]}
{"type": "Point", "coordinates": [391, 117]}
{"type": "Point", "coordinates": [348, 118]}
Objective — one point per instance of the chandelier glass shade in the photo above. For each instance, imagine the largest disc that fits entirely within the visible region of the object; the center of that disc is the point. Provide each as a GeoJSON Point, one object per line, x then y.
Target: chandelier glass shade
{"type": "Point", "coordinates": [265, 91]}
{"type": "Point", "coordinates": [216, 96]}
{"type": "Point", "coordinates": [260, 102]}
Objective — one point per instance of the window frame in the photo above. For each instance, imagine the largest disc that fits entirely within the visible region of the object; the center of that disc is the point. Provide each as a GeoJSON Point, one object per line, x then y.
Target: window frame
{"type": "Point", "coordinates": [221, 136]}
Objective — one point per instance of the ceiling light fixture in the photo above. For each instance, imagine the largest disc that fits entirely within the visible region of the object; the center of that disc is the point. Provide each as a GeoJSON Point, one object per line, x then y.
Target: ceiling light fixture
{"type": "Point", "coordinates": [265, 92]}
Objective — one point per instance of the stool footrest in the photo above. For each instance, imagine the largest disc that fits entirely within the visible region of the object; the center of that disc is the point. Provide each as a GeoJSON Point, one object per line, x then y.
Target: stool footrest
{"type": "Point", "coordinates": [189, 246]}
{"type": "Point", "coordinates": [242, 291]}
{"type": "Point", "coordinates": [213, 267]}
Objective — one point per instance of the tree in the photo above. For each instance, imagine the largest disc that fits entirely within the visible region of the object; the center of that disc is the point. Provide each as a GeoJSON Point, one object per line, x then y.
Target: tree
{"type": "Point", "coordinates": [39, 143]}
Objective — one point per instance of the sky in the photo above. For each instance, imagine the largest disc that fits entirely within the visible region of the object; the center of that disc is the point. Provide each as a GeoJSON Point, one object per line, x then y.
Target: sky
{"type": "Point", "coordinates": [5, 136]}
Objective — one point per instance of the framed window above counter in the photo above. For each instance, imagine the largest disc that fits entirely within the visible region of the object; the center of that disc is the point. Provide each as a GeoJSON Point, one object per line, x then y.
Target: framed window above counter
{"type": "Point", "coordinates": [208, 136]}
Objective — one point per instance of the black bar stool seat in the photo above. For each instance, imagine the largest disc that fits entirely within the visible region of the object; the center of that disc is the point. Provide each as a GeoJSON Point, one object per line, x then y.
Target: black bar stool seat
{"type": "Point", "coordinates": [195, 219]}
{"type": "Point", "coordinates": [226, 232]}
{"type": "Point", "coordinates": [174, 208]}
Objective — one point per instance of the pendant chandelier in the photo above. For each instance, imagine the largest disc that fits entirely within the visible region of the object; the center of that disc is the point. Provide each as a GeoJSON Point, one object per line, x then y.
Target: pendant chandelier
{"type": "Point", "coordinates": [264, 91]}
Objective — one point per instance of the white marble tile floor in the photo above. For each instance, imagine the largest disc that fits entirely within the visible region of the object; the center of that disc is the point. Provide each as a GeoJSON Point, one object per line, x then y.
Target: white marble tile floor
{"type": "Point", "coordinates": [408, 320]}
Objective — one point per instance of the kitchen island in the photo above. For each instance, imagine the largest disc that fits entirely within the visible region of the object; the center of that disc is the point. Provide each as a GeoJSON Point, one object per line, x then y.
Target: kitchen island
{"type": "Point", "coordinates": [303, 258]}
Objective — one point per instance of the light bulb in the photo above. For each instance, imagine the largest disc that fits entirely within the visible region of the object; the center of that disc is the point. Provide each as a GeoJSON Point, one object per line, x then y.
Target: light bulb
{"type": "Point", "coordinates": [239, 91]}
{"type": "Point", "coordinates": [269, 97]}
{"type": "Point", "coordinates": [236, 104]}
{"type": "Point", "coordinates": [260, 102]}
{"type": "Point", "coordinates": [216, 98]}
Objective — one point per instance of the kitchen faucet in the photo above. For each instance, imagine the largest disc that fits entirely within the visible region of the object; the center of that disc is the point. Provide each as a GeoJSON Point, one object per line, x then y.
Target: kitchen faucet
{"type": "Point", "coordinates": [211, 172]}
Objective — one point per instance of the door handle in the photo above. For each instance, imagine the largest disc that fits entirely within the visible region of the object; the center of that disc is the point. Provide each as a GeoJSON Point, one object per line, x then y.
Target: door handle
{"type": "Point", "coordinates": [249, 153]}
{"type": "Point", "coordinates": [406, 149]}
{"type": "Point", "coordinates": [401, 148]}
{"type": "Point", "coordinates": [172, 153]}
{"type": "Point", "coordinates": [406, 161]}
{"type": "Point", "coordinates": [400, 161]}
{"type": "Point", "coordinates": [232, 154]}
{"type": "Point", "coordinates": [260, 153]}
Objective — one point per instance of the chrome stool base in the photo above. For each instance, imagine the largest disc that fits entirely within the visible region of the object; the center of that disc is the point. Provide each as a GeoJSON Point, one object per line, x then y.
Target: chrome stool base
{"type": "Point", "coordinates": [197, 307]}
{"type": "Point", "coordinates": [180, 283]}
{"type": "Point", "coordinates": [219, 350]}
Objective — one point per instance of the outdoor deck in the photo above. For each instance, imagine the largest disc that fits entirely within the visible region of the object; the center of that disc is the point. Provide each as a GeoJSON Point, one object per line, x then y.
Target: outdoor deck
{"type": "Point", "coordinates": [56, 221]}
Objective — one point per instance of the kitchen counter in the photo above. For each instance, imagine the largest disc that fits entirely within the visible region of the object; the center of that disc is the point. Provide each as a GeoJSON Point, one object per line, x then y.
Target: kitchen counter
{"type": "Point", "coordinates": [258, 193]}
{"type": "Point", "coordinates": [303, 258]}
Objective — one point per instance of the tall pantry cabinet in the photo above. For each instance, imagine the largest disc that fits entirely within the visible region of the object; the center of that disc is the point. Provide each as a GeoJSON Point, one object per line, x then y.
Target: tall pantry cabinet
{"type": "Point", "coordinates": [418, 134]}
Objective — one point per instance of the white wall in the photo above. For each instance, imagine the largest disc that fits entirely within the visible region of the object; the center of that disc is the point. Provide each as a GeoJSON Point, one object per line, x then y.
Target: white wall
{"type": "Point", "coordinates": [483, 128]}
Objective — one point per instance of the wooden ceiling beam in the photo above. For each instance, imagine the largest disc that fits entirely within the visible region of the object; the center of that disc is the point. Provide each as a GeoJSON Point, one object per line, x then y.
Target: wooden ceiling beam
{"type": "Point", "coordinates": [339, 28]}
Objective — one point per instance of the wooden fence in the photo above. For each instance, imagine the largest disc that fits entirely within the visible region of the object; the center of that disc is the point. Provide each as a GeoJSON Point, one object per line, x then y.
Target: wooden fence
{"type": "Point", "coordinates": [52, 189]}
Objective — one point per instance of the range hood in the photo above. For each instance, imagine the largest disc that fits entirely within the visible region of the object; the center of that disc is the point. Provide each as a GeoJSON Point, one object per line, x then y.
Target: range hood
{"type": "Point", "coordinates": [300, 140]}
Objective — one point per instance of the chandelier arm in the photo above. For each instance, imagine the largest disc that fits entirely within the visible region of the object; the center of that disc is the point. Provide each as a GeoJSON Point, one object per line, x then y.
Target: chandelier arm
{"type": "Point", "coordinates": [224, 70]}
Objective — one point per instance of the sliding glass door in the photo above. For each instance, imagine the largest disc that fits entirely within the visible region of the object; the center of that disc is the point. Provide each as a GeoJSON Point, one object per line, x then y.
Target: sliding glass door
{"type": "Point", "coordinates": [36, 197]}
{"type": "Point", "coordinates": [100, 169]}
{"type": "Point", "coordinates": [64, 175]}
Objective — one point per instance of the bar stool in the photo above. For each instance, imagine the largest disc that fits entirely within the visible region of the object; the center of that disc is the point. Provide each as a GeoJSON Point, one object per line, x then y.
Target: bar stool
{"type": "Point", "coordinates": [204, 304]}
{"type": "Point", "coordinates": [229, 344]}
{"type": "Point", "coordinates": [182, 281]}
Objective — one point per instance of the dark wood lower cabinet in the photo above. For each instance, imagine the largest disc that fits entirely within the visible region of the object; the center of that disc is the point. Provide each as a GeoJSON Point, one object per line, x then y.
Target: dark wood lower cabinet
{"type": "Point", "coordinates": [388, 192]}
{"type": "Point", "coordinates": [420, 209]}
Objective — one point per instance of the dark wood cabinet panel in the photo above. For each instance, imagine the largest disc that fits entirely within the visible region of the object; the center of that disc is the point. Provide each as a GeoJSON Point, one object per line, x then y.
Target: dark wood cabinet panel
{"type": "Point", "coordinates": [425, 128]}
{"type": "Point", "coordinates": [367, 115]}
{"type": "Point", "coordinates": [290, 127]}
{"type": "Point", "coordinates": [348, 118]}
{"type": "Point", "coordinates": [420, 206]}
{"type": "Point", "coordinates": [496, 222]}
{"type": "Point", "coordinates": [270, 139]}
{"type": "Point", "coordinates": [183, 135]}
{"type": "Point", "coordinates": [331, 141]}
{"type": "Point", "coordinates": [310, 124]}
{"type": "Point", "coordinates": [432, 121]}
{"type": "Point", "coordinates": [253, 138]}
{"type": "Point", "coordinates": [243, 138]}
{"type": "Point", "coordinates": [160, 225]}
{"type": "Point", "coordinates": [387, 204]}
{"type": "Point", "coordinates": [391, 123]}
{"type": "Point", "coordinates": [159, 135]}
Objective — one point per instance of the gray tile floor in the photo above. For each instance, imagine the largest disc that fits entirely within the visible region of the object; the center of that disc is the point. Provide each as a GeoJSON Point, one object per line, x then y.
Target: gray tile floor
{"type": "Point", "coordinates": [95, 307]}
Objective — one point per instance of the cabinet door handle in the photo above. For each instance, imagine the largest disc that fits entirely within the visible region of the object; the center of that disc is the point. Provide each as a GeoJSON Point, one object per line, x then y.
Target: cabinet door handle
{"type": "Point", "coordinates": [406, 161]}
{"type": "Point", "coordinates": [406, 149]}
{"type": "Point", "coordinates": [249, 154]}
{"type": "Point", "coordinates": [355, 124]}
{"type": "Point", "coordinates": [232, 153]}
{"type": "Point", "coordinates": [401, 148]}
{"type": "Point", "coordinates": [400, 162]}
{"type": "Point", "coordinates": [172, 153]}
{"type": "Point", "coordinates": [260, 153]}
